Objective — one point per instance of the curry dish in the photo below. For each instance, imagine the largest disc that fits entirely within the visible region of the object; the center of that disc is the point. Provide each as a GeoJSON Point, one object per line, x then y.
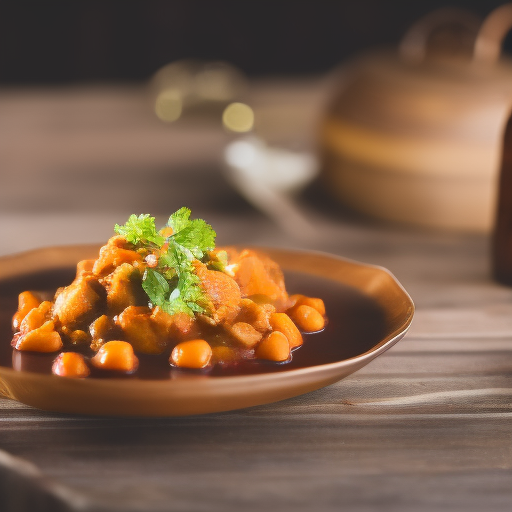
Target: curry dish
{"type": "Point", "coordinates": [168, 293]}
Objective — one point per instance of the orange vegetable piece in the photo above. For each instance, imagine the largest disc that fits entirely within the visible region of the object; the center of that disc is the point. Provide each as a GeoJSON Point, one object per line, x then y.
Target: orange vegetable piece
{"type": "Point", "coordinates": [245, 334]}
{"type": "Point", "coordinates": [257, 274]}
{"type": "Point", "coordinates": [26, 302]}
{"type": "Point", "coordinates": [124, 288]}
{"type": "Point", "coordinates": [283, 323]}
{"type": "Point", "coordinates": [76, 305]}
{"type": "Point", "coordinates": [183, 326]}
{"type": "Point", "coordinates": [222, 290]}
{"type": "Point", "coordinates": [70, 364]}
{"type": "Point", "coordinates": [194, 354]}
{"type": "Point", "coordinates": [101, 328]}
{"type": "Point", "coordinates": [274, 347]}
{"type": "Point", "coordinates": [164, 320]}
{"type": "Point", "coordinates": [116, 355]}
{"type": "Point", "coordinates": [84, 267]}
{"type": "Point", "coordinates": [36, 317]}
{"type": "Point", "coordinates": [41, 339]}
{"type": "Point", "coordinates": [141, 330]}
{"type": "Point", "coordinates": [313, 302]}
{"type": "Point", "coordinates": [255, 314]}
{"type": "Point", "coordinates": [307, 318]}
{"type": "Point", "coordinates": [112, 255]}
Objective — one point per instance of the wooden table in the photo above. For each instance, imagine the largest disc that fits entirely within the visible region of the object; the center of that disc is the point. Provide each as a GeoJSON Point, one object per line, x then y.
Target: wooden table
{"type": "Point", "coordinates": [426, 426]}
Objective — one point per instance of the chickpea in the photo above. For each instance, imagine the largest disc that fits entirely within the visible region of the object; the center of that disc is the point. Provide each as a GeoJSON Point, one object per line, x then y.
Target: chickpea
{"type": "Point", "coordinates": [26, 302]}
{"type": "Point", "coordinates": [274, 347]}
{"type": "Point", "coordinates": [307, 318]}
{"type": "Point", "coordinates": [191, 354]}
{"type": "Point", "coordinates": [313, 302]}
{"type": "Point", "coordinates": [70, 364]}
{"type": "Point", "coordinates": [116, 355]}
{"type": "Point", "coordinates": [41, 339]}
{"type": "Point", "coordinates": [283, 323]}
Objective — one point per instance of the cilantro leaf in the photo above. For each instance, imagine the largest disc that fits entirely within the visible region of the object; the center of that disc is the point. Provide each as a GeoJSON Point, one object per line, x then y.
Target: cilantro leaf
{"type": "Point", "coordinates": [195, 235]}
{"type": "Point", "coordinates": [173, 284]}
{"type": "Point", "coordinates": [179, 219]}
{"type": "Point", "coordinates": [156, 287]}
{"type": "Point", "coordinates": [187, 295]}
{"type": "Point", "coordinates": [140, 230]}
{"type": "Point", "coordinates": [198, 237]}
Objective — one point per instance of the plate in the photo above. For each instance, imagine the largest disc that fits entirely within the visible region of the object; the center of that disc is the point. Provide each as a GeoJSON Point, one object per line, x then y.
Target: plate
{"type": "Point", "coordinates": [368, 311]}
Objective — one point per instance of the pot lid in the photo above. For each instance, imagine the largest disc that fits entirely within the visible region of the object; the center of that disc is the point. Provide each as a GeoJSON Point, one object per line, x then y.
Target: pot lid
{"type": "Point", "coordinates": [448, 77]}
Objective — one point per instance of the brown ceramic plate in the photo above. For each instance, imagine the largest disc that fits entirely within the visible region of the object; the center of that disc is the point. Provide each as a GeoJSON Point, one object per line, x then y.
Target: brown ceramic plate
{"type": "Point", "coordinates": [368, 312]}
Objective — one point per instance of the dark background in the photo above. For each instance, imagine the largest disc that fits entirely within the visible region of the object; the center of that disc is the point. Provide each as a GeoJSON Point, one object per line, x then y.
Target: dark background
{"type": "Point", "coordinates": [89, 41]}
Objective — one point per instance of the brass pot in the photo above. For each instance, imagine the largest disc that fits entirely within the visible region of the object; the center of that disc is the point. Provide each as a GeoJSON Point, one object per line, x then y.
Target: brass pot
{"type": "Point", "coordinates": [415, 135]}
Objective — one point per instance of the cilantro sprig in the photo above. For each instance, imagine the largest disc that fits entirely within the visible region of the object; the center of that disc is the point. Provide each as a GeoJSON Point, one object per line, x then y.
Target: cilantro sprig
{"type": "Point", "coordinates": [140, 230]}
{"type": "Point", "coordinates": [173, 284]}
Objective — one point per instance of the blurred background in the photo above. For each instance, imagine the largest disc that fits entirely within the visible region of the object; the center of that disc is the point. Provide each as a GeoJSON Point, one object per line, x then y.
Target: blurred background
{"type": "Point", "coordinates": [127, 41]}
{"type": "Point", "coordinates": [268, 119]}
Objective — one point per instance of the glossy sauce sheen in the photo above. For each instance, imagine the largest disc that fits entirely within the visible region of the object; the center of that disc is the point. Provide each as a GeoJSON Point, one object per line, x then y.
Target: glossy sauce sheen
{"type": "Point", "coordinates": [355, 325]}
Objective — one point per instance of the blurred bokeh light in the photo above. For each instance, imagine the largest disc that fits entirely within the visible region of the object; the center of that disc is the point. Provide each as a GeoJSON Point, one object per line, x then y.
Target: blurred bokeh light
{"type": "Point", "coordinates": [238, 117]}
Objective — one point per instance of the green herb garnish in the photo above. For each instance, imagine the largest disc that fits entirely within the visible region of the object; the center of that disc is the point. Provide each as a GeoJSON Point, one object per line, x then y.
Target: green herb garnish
{"type": "Point", "coordinates": [173, 285]}
{"type": "Point", "coordinates": [140, 230]}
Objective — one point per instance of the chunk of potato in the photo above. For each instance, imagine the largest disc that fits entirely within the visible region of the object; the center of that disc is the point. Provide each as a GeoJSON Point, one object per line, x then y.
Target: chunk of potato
{"type": "Point", "coordinates": [79, 303]}
{"type": "Point", "coordinates": [222, 291]}
{"type": "Point", "coordinates": [179, 326]}
{"type": "Point", "coordinates": [257, 315]}
{"type": "Point", "coordinates": [245, 334]}
{"type": "Point", "coordinates": [112, 255]}
{"type": "Point", "coordinates": [184, 327]}
{"type": "Point", "coordinates": [257, 274]}
{"type": "Point", "coordinates": [84, 267]}
{"type": "Point", "coordinates": [124, 288]}
{"type": "Point", "coordinates": [141, 330]}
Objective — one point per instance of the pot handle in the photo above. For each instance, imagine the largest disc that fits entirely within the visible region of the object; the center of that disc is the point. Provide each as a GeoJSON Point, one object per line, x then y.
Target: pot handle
{"type": "Point", "coordinates": [491, 34]}
{"type": "Point", "coordinates": [414, 44]}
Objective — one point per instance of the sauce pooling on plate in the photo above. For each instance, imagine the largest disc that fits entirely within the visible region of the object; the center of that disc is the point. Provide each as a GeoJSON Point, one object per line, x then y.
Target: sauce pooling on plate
{"type": "Point", "coordinates": [348, 333]}
{"type": "Point", "coordinates": [166, 301]}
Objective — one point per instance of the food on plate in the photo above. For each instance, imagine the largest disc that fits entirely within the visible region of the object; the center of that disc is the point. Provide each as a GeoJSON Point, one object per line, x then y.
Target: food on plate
{"type": "Point", "coordinates": [170, 294]}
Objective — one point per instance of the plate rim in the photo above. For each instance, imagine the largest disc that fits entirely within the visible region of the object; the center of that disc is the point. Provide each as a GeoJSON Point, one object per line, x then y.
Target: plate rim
{"type": "Point", "coordinates": [189, 396]}
{"type": "Point", "coordinates": [376, 350]}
